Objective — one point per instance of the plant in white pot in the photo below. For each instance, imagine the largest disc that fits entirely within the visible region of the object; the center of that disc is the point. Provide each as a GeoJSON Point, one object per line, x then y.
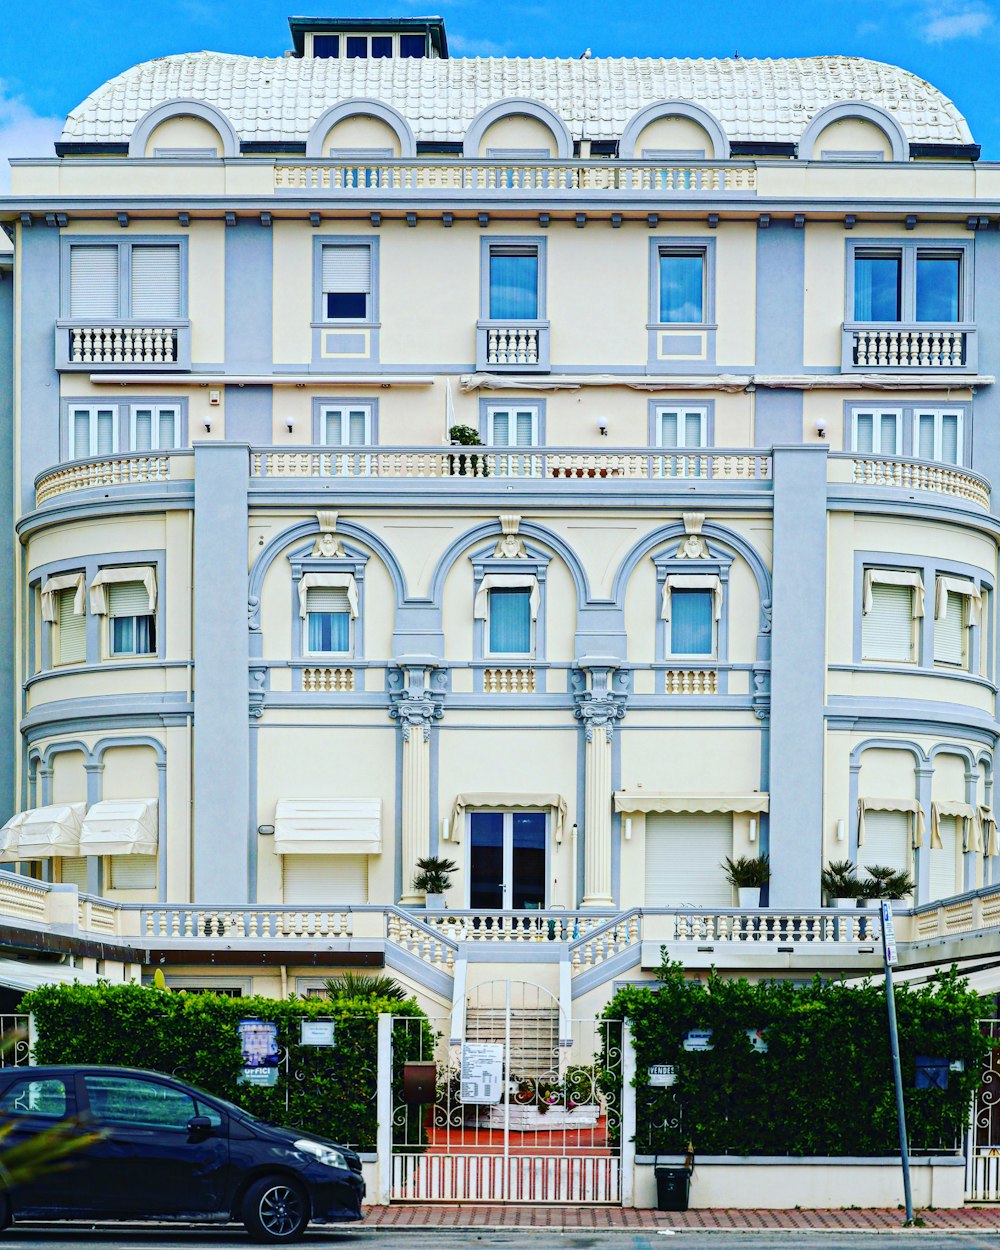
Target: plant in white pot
{"type": "Point", "coordinates": [840, 881]}
{"type": "Point", "coordinates": [883, 882]}
{"type": "Point", "coordinates": [748, 874]}
{"type": "Point", "coordinates": [433, 879]}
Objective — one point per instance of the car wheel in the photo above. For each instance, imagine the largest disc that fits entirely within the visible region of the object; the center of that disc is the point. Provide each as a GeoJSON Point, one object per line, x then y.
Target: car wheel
{"type": "Point", "coordinates": [275, 1210]}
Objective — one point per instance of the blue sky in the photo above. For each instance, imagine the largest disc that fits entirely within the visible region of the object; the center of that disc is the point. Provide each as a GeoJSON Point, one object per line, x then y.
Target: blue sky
{"type": "Point", "coordinates": [48, 64]}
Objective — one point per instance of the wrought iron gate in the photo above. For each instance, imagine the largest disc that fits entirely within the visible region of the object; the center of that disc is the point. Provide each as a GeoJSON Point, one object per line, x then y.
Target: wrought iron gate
{"type": "Point", "coordinates": [546, 1130]}
{"type": "Point", "coordinates": [982, 1175]}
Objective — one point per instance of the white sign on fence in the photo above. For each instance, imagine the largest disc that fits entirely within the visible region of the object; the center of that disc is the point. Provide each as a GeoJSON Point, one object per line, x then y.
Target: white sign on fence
{"type": "Point", "coordinates": [317, 1033]}
{"type": "Point", "coordinates": [663, 1074]}
{"type": "Point", "coordinates": [482, 1073]}
{"type": "Point", "coordinates": [698, 1039]}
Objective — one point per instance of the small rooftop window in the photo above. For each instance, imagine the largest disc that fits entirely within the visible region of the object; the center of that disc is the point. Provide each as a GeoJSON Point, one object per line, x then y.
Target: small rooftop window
{"type": "Point", "coordinates": [355, 38]}
{"type": "Point", "coordinates": [326, 45]}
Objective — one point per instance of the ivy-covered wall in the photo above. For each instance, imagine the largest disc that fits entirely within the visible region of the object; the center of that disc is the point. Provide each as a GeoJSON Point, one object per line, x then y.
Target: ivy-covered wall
{"type": "Point", "coordinates": [823, 1086]}
{"type": "Point", "coordinates": [329, 1091]}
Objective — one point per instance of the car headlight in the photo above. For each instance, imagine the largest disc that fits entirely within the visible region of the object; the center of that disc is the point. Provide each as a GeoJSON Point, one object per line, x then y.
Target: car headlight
{"type": "Point", "coordinates": [322, 1154]}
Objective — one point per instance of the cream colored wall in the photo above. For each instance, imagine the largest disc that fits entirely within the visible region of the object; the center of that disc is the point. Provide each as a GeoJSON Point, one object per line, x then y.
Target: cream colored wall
{"type": "Point", "coordinates": [361, 131]}
{"type": "Point", "coordinates": [184, 132]}
{"type": "Point", "coordinates": [852, 134]}
{"type": "Point", "coordinates": [130, 773]}
{"type": "Point", "coordinates": [69, 780]}
{"type": "Point", "coordinates": [675, 134]}
{"type": "Point", "coordinates": [518, 131]}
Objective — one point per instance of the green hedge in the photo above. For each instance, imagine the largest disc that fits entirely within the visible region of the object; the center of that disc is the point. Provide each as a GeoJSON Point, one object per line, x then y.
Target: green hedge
{"type": "Point", "coordinates": [194, 1037]}
{"type": "Point", "coordinates": [824, 1085]}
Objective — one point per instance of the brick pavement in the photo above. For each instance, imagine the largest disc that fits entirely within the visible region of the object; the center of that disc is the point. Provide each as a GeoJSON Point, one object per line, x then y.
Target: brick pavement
{"type": "Point", "coordinates": [977, 1218]}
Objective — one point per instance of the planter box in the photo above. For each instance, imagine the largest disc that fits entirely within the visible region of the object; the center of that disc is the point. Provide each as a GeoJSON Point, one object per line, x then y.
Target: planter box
{"type": "Point", "coordinates": [531, 1120]}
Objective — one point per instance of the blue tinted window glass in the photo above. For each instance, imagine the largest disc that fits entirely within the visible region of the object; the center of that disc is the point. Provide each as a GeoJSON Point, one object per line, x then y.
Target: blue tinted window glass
{"type": "Point", "coordinates": [876, 288]}
{"type": "Point", "coordinates": [938, 279]}
{"type": "Point", "coordinates": [357, 46]}
{"type": "Point", "coordinates": [682, 287]}
{"type": "Point", "coordinates": [691, 622]}
{"type": "Point", "coordinates": [513, 286]}
{"type": "Point", "coordinates": [326, 45]}
{"type": "Point", "coordinates": [412, 46]}
{"type": "Point", "coordinates": [329, 631]}
{"type": "Point", "coordinates": [510, 622]}
{"type": "Point", "coordinates": [381, 46]}
{"type": "Point", "coordinates": [346, 305]}
{"type": "Point", "coordinates": [122, 634]}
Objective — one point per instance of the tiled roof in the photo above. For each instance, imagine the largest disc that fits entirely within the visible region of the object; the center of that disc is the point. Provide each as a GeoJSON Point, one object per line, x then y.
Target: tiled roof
{"type": "Point", "coordinates": [279, 99]}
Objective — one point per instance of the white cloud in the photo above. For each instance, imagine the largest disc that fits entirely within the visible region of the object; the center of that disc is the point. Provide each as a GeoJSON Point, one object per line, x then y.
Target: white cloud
{"type": "Point", "coordinates": [22, 132]}
{"type": "Point", "coordinates": [953, 19]}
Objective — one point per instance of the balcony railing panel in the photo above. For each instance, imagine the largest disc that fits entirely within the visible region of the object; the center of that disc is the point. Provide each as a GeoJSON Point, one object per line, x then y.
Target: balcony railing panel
{"type": "Point", "coordinates": [922, 475]}
{"type": "Point", "coordinates": [122, 345]}
{"type": "Point", "coordinates": [909, 348]}
{"type": "Point", "coordinates": [123, 470]}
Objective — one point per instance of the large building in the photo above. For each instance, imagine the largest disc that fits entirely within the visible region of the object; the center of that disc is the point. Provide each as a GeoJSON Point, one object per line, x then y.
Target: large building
{"type": "Point", "coordinates": [709, 569]}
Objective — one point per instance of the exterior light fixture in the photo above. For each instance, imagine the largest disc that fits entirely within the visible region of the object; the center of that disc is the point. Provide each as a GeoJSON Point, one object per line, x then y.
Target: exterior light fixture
{"type": "Point", "coordinates": [290, 424]}
{"type": "Point", "coordinates": [265, 830]}
{"type": "Point", "coordinates": [602, 426]}
{"type": "Point", "coordinates": [840, 831]}
{"type": "Point", "coordinates": [753, 829]}
{"type": "Point", "coordinates": [208, 425]}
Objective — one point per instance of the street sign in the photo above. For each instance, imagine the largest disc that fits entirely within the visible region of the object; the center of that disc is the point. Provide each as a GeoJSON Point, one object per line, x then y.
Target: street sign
{"type": "Point", "coordinates": [888, 934]}
{"type": "Point", "coordinates": [482, 1073]}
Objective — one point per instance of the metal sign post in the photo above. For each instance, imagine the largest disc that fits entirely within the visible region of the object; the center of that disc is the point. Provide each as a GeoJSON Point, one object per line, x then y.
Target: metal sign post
{"type": "Point", "coordinates": [889, 957]}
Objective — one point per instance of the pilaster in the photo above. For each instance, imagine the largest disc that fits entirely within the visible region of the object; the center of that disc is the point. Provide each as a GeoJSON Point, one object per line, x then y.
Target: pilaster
{"type": "Point", "coordinates": [600, 695]}
{"type": "Point", "coordinates": [416, 704]}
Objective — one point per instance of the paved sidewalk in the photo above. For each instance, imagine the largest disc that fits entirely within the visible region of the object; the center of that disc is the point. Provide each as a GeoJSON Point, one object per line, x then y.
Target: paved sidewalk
{"type": "Point", "coordinates": [973, 1219]}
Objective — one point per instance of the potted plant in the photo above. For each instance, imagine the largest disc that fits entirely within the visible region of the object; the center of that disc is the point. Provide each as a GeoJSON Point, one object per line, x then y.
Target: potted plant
{"type": "Point", "coordinates": [748, 873]}
{"type": "Point", "coordinates": [433, 879]}
{"type": "Point", "coordinates": [883, 882]}
{"type": "Point", "coordinates": [840, 881]}
{"type": "Point", "coordinates": [461, 465]}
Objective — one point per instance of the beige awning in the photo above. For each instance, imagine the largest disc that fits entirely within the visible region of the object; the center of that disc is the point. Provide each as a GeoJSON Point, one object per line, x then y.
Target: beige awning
{"type": "Point", "coordinates": [894, 577]}
{"type": "Point", "coordinates": [972, 838]}
{"type": "Point", "coordinates": [105, 577]}
{"type": "Point", "coordinates": [467, 802]}
{"type": "Point", "coordinates": [331, 581]}
{"type": "Point", "coordinates": [988, 830]}
{"type": "Point", "coordinates": [51, 588]}
{"type": "Point", "coordinates": [692, 581]}
{"type": "Point", "coordinates": [43, 832]}
{"type": "Point", "coordinates": [911, 806]}
{"type": "Point", "coordinates": [10, 837]}
{"type": "Point", "coordinates": [643, 801]}
{"type": "Point", "coordinates": [120, 827]}
{"type": "Point", "coordinates": [507, 581]}
{"type": "Point", "coordinates": [328, 827]}
{"type": "Point", "coordinates": [944, 586]}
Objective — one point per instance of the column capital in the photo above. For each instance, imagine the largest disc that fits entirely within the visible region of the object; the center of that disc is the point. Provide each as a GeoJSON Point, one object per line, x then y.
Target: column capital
{"type": "Point", "coordinates": [600, 689]}
{"type": "Point", "coordinates": [416, 694]}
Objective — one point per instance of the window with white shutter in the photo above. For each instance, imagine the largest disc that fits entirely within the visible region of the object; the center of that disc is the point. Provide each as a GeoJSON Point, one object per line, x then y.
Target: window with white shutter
{"type": "Point", "coordinates": [345, 425]}
{"type": "Point", "coordinates": [156, 282]}
{"type": "Point", "coordinates": [132, 626]}
{"type": "Point", "coordinates": [72, 630]}
{"type": "Point", "coordinates": [92, 431]}
{"type": "Point", "coordinates": [114, 281]}
{"type": "Point", "coordinates": [512, 427]}
{"type": "Point", "coordinates": [887, 629]}
{"type": "Point", "coordinates": [878, 431]}
{"type": "Point", "coordinates": [347, 281]}
{"type": "Point", "coordinates": [944, 874]}
{"type": "Point", "coordinates": [93, 281]}
{"type": "Point", "coordinates": [73, 870]}
{"type": "Point", "coordinates": [331, 879]}
{"type": "Point", "coordinates": [684, 854]}
{"type": "Point", "coordinates": [133, 872]}
{"type": "Point", "coordinates": [937, 434]}
{"type": "Point", "coordinates": [887, 841]}
{"type": "Point", "coordinates": [681, 427]}
{"type": "Point", "coordinates": [328, 621]}
{"type": "Point", "coordinates": [155, 427]}
{"type": "Point", "coordinates": [951, 633]}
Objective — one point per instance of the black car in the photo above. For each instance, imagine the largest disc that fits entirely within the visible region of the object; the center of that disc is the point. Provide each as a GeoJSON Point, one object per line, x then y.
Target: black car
{"type": "Point", "coordinates": [169, 1151]}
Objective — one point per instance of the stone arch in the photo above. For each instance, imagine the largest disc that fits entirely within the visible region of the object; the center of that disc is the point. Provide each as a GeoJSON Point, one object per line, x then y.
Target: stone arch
{"type": "Point", "coordinates": [356, 107]}
{"type": "Point", "coordinates": [638, 122]}
{"type": "Point", "coordinates": [518, 106]}
{"type": "Point", "coordinates": [862, 111]}
{"type": "Point", "coordinates": [181, 107]}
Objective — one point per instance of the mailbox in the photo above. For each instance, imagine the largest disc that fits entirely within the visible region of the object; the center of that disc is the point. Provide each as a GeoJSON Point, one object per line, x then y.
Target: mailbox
{"type": "Point", "coordinates": [419, 1084]}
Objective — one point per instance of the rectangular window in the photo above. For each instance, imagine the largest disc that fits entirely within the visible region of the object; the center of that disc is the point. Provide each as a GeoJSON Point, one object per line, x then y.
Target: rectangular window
{"type": "Point", "coordinates": [357, 47]}
{"type": "Point", "coordinates": [681, 427]}
{"type": "Point", "coordinates": [682, 286]}
{"type": "Point", "coordinates": [937, 435]}
{"type": "Point", "coordinates": [93, 431]}
{"type": "Point", "coordinates": [155, 282]}
{"type": "Point", "coordinates": [132, 625]}
{"type": "Point", "coordinates": [692, 625]}
{"type": "Point", "coordinates": [412, 47]}
{"type": "Point", "coordinates": [328, 621]}
{"type": "Point", "coordinates": [155, 427]}
{"type": "Point", "coordinates": [345, 426]}
{"type": "Point", "coordinates": [133, 872]}
{"type": "Point", "coordinates": [72, 630]}
{"type": "Point", "coordinates": [381, 47]}
{"type": "Point", "coordinates": [887, 841]}
{"type": "Point", "coordinates": [887, 631]}
{"type": "Point", "coordinates": [951, 634]}
{"type": "Point", "coordinates": [326, 46]}
{"type": "Point", "coordinates": [112, 281]}
{"type": "Point", "coordinates": [944, 876]}
{"type": "Point", "coordinates": [347, 282]}
{"type": "Point", "coordinates": [939, 279]}
{"type": "Point", "coordinates": [93, 281]}
{"type": "Point", "coordinates": [513, 283]}
{"type": "Point", "coordinates": [509, 624]}
{"type": "Point", "coordinates": [512, 427]}
{"type": "Point", "coordinates": [877, 287]}
{"type": "Point", "coordinates": [878, 432]}
{"type": "Point", "coordinates": [909, 283]}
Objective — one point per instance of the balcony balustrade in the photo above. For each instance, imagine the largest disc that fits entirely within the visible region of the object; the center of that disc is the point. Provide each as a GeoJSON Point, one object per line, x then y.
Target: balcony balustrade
{"type": "Point", "coordinates": [513, 348]}
{"type": "Point", "coordinates": [909, 348]}
{"type": "Point", "coordinates": [102, 471]}
{"type": "Point", "coordinates": [122, 345]}
{"type": "Point", "coordinates": [920, 475]}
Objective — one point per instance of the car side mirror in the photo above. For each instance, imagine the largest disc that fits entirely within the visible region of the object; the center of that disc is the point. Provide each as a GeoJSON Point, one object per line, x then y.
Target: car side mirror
{"type": "Point", "coordinates": [199, 1126]}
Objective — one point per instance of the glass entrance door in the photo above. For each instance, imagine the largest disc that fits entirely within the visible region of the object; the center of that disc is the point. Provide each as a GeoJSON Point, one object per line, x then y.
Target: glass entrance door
{"type": "Point", "coordinates": [507, 861]}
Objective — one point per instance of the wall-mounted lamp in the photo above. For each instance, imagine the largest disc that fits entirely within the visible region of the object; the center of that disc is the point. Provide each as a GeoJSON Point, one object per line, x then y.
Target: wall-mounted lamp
{"type": "Point", "coordinates": [208, 425]}
{"type": "Point", "coordinates": [753, 828]}
{"type": "Point", "coordinates": [821, 429]}
{"type": "Point", "coordinates": [602, 426]}
{"type": "Point", "coordinates": [290, 424]}
{"type": "Point", "coordinates": [840, 831]}
{"type": "Point", "coordinates": [265, 830]}
{"type": "Point", "coordinates": [573, 831]}
{"type": "Point", "coordinates": [628, 828]}
{"type": "Point", "coordinates": [445, 829]}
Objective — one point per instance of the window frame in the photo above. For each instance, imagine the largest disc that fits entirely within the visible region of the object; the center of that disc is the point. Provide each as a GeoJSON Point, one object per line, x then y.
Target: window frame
{"type": "Point", "coordinates": [939, 415]}
{"type": "Point", "coordinates": [488, 410]}
{"type": "Point", "coordinates": [659, 407]}
{"type": "Point", "coordinates": [916, 627]}
{"type": "Point", "coordinates": [302, 561]}
{"type": "Point", "coordinates": [511, 245]}
{"type": "Point", "coordinates": [114, 654]}
{"type": "Point", "coordinates": [155, 407]}
{"type": "Point", "coordinates": [908, 250]}
{"type": "Point", "coordinates": [964, 663]}
{"type": "Point", "coordinates": [508, 656]}
{"type": "Point", "coordinates": [907, 425]}
{"type": "Point", "coordinates": [329, 655]}
{"type": "Point", "coordinates": [698, 657]}
{"type": "Point", "coordinates": [92, 410]}
{"type": "Point", "coordinates": [877, 414]}
{"type": "Point", "coordinates": [55, 635]}
{"type": "Point", "coordinates": [125, 248]}
{"type": "Point", "coordinates": [320, 319]}
{"type": "Point", "coordinates": [666, 245]}
{"type": "Point", "coordinates": [322, 409]}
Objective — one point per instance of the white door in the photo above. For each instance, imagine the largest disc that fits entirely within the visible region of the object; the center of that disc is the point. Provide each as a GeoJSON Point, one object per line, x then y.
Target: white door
{"type": "Point", "coordinates": [325, 880]}
{"type": "Point", "coordinates": [684, 854]}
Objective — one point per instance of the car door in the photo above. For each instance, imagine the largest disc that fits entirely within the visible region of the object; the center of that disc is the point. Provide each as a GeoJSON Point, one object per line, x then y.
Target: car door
{"type": "Point", "coordinates": [150, 1161]}
{"type": "Point", "coordinates": [34, 1103]}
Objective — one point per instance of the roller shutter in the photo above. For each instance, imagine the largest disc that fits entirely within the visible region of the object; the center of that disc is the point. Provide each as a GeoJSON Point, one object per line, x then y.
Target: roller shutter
{"type": "Point", "coordinates": [156, 282]}
{"type": "Point", "coordinates": [887, 629]}
{"type": "Point", "coordinates": [684, 854]}
{"type": "Point", "coordinates": [944, 862]}
{"type": "Point", "coordinates": [887, 836]}
{"type": "Point", "coordinates": [72, 630]}
{"type": "Point", "coordinates": [133, 872]}
{"type": "Point", "coordinates": [325, 880]}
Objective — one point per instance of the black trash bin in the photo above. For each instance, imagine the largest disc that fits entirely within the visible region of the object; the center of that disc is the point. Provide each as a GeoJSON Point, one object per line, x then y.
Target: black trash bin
{"type": "Point", "coordinates": [673, 1187]}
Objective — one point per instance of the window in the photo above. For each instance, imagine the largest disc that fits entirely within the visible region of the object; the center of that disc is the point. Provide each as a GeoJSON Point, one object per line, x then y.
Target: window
{"type": "Point", "coordinates": [93, 431]}
{"type": "Point", "coordinates": [937, 435]}
{"type": "Point", "coordinates": [128, 1100]}
{"type": "Point", "coordinates": [357, 46]}
{"type": "Point", "coordinates": [887, 840]}
{"type": "Point", "coordinates": [326, 45]}
{"type": "Point", "coordinates": [310, 879]}
{"type": "Point", "coordinates": [909, 283]}
{"type": "Point", "coordinates": [684, 855]}
{"type": "Point", "coordinates": [36, 1097]}
{"type": "Point", "coordinates": [155, 427]}
{"type": "Point", "coordinates": [681, 427]}
{"type": "Point", "coordinates": [887, 631]}
{"type": "Point", "coordinates": [347, 282]}
{"type": "Point", "coordinates": [412, 47]}
{"type": "Point", "coordinates": [133, 872]}
{"type": "Point", "coordinates": [512, 427]}
{"type": "Point", "coordinates": [328, 621]}
{"type": "Point", "coordinates": [72, 629]}
{"type": "Point", "coordinates": [878, 432]}
{"type": "Point", "coordinates": [682, 286]}
{"type": "Point", "coordinates": [944, 875]}
{"type": "Point", "coordinates": [513, 278]}
{"type": "Point", "coordinates": [110, 281]}
{"type": "Point", "coordinates": [950, 633]}
{"type": "Point", "coordinates": [132, 625]}
{"type": "Point", "coordinates": [345, 426]}
{"type": "Point", "coordinates": [73, 870]}
{"type": "Point", "coordinates": [692, 625]}
{"type": "Point", "coordinates": [509, 623]}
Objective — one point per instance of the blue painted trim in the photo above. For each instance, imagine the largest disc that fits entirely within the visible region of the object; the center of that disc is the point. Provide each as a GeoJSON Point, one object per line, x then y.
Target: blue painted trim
{"type": "Point", "coordinates": [249, 415]}
{"type": "Point", "coordinates": [663, 244]}
{"type": "Point", "coordinates": [181, 106]}
{"type": "Point", "coordinates": [37, 277]}
{"type": "Point", "coordinates": [530, 242]}
{"type": "Point", "coordinates": [778, 415]}
{"type": "Point", "coordinates": [358, 106]}
{"type": "Point", "coordinates": [249, 251]}
{"type": "Point", "coordinates": [518, 106]}
{"type": "Point", "coordinates": [638, 122]}
{"type": "Point", "coordinates": [780, 299]}
{"type": "Point", "coordinates": [863, 110]}
{"type": "Point", "coordinates": [908, 248]}
{"type": "Point", "coordinates": [8, 626]}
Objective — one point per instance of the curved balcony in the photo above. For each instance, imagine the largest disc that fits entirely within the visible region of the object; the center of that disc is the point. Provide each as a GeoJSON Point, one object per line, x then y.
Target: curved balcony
{"type": "Point", "coordinates": [127, 469]}
{"type": "Point", "coordinates": [910, 475]}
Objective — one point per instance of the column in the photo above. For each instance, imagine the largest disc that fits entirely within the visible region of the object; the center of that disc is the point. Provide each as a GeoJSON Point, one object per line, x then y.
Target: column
{"type": "Point", "coordinates": [798, 676]}
{"type": "Point", "coordinates": [220, 851]}
{"type": "Point", "coordinates": [416, 705]}
{"type": "Point", "coordinates": [599, 706]}
{"type": "Point", "coordinates": [10, 744]}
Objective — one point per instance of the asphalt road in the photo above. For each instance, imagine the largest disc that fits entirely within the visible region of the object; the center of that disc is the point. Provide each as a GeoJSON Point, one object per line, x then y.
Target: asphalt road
{"type": "Point", "coordinates": [110, 1238]}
